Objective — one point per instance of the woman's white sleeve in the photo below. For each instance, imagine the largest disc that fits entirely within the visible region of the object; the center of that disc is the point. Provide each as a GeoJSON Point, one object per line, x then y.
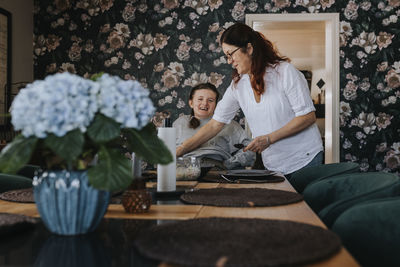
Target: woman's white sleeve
{"type": "Point", "coordinates": [227, 107]}
{"type": "Point", "coordinates": [297, 91]}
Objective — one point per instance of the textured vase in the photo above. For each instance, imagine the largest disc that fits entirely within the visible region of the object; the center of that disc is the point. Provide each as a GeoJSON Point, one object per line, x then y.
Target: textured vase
{"type": "Point", "coordinates": [67, 204]}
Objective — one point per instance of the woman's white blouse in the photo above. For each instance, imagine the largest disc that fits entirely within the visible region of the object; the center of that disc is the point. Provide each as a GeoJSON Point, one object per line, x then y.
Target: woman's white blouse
{"type": "Point", "coordinates": [286, 96]}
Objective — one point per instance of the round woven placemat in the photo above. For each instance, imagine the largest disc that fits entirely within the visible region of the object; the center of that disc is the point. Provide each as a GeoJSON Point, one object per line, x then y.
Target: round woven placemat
{"type": "Point", "coordinates": [20, 195]}
{"type": "Point", "coordinates": [269, 179]}
{"type": "Point", "coordinates": [13, 223]}
{"type": "Point", "coordinates": [237, 242]}
{"type": "Point", "coordinates": [26, 196]}
{"type": "Point", "coordinates": [242, 197]}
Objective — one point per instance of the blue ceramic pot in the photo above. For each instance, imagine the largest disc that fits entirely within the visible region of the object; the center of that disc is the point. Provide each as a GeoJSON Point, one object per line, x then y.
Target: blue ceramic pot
{"type": "Point", "coordinates": [67, 204]}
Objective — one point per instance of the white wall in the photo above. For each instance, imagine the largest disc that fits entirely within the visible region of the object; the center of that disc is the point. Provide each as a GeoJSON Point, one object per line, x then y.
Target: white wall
{"type": "Point", "coordinates": [303, 43]}
{"type": "Point", "coordinates": [22, 38]}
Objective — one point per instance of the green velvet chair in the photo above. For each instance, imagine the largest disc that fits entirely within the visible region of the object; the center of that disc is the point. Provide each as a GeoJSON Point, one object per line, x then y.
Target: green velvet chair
{"type": "Point", "coordinates": [28, 170]}
{"type": "Point", "coordinates": [371, 232]}
{"type": "Point", "coordinates": [332, 196]}
{"type": "Point", "coordinates": [301, 178]}
{"type": "Point", "coordinates": [11, 182]}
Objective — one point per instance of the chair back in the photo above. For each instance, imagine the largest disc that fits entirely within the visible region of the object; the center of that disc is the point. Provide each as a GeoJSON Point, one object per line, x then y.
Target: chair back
{"type": "Point", "coordinates": [370, 231]}
{"type": "Point", "coordinates": [28, 170]}
{"type": "Point", "coordinates": [332, 196]}
{"type": "Point", "coordinates": [12, 182]}
{"type": "Point", "coordinates": [301, 178]}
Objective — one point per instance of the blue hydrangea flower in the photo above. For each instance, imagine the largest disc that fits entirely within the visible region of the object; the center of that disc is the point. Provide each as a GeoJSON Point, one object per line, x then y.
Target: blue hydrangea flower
{"type": "Point", "coordinates": [127, 102]}
{"type": "Point", "coordinates": [61, 103]}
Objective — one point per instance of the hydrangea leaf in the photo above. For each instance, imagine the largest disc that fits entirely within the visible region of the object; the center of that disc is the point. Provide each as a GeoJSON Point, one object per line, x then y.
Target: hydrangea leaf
{"type": "Point", "coordinates": [112, 172]}
{"type": "Point", "coordinates": [18, 153]}
{"type": "Point", "coordinates": [68, 147]}
{"type": "Point", "coordinates": [146, 144]}
{"type": "Point", "coordinates": [103, 129]}
{"type": "Point", "coordinates": [96, 76]}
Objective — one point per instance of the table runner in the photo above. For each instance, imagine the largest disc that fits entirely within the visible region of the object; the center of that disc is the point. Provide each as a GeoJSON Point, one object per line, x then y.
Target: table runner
{"type": "Point", "coordinates": [237, 242]}
{"type": "Point", "coordinates": [242, 197]}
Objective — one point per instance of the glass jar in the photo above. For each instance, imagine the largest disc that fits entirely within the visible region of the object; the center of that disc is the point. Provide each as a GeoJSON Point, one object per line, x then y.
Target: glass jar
{"type": "Point", "coordinates": [193, 170]}
{"type": "Point", "coordinates": [180, 169]}
{"type": "Point", "coordinates": [187, 168]}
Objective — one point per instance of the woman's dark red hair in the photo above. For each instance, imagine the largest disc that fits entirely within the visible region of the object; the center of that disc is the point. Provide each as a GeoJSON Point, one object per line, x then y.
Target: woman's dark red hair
{"type": "Point", "coordinates": [264, 54]}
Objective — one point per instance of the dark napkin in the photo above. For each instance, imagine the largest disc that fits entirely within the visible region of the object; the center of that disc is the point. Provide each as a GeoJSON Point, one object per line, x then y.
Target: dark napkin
{"type": "Point", "coordinates": [242, 197]}
{"type": "Point", "coordinates": [237, 242]}
{"type": "Point", "coordinates": [249, 180]}
{"type": "Point", "coordinates": [243, 177]}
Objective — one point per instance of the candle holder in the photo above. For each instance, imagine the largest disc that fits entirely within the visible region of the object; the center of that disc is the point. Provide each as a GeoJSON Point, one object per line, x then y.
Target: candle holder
{"type": "Point", "coordinates": [136, 199]}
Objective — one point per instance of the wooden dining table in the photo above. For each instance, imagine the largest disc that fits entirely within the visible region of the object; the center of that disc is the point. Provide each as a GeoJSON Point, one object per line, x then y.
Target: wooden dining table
{"type": "Point", "coordinates": [162, 210]}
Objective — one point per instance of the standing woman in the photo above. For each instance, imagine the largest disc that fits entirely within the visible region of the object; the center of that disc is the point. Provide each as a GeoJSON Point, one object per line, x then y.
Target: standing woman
{"type": "Point", "coordinates": [275, 100]}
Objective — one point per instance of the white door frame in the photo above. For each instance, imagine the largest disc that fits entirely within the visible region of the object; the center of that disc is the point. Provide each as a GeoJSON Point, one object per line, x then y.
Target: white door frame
{"type": "Point", "coordinates": [332, 149]}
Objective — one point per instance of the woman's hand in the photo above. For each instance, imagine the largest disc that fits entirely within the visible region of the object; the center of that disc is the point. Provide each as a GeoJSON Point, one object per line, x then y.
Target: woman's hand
{"type": "Point", "coordinates": [259, 144]}
{"type": "Point", "coordinates": [294, 126]}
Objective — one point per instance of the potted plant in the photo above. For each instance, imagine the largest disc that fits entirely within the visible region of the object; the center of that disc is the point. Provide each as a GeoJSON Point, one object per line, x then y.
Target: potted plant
{"type": "Point", "coordinates": [74, 126]}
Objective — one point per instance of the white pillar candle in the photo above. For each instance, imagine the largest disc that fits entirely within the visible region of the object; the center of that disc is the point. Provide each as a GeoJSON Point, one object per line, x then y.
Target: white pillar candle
{"type": "Point", "coordinates": [166, 174]}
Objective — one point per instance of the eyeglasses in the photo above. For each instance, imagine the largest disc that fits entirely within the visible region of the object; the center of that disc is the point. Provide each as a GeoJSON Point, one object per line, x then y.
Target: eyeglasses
{"type": "Point", "coordinates": [229, 55]}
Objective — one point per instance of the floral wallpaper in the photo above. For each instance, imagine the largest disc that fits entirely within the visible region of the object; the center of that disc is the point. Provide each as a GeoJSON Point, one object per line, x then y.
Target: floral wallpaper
{"type": "Point", "coordinates": [171, 45]}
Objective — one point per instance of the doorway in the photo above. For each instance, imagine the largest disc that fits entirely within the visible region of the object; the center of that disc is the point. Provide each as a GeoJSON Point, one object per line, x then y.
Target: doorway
{"type": "Point", "coordinates": [311, 41]}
